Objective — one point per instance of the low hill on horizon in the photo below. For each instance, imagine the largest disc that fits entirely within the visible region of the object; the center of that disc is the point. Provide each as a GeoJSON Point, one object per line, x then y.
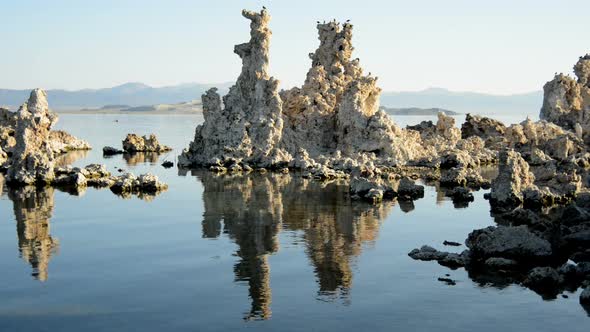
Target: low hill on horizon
{"type": "Point", "coordinates": [132, 95]}
{"type": "Point", "coordinates": [128, 94]}
{"type": "Point", "coordinates": [524, 104]}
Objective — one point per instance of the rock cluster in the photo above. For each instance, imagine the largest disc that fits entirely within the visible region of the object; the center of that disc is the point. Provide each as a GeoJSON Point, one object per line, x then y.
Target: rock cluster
{"type": "Point", "coordinates": [28, 146]}
{"type": "Point", "coordinates": [540, 197]}
{"type": "Point", "coordinates": [566, 101]}
{"type": "Point", "coordinates": [134, 143]}
{"type": "Point", "coordinates": [95, 175]}
{"type": "Point", "coordinates": [332, 122]}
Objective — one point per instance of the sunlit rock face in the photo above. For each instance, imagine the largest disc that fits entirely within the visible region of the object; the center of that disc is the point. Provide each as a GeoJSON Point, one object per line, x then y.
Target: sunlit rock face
{"type": "Point", "coordinates": [566, 101]}
{"type": "Point", "coordinates": [263, 204]}
{"type": "Point", "coordinates": [33, 209]}
{"type": "Point", "coordinates": [33, 158]}
{"type": "Point", "coordinates": [333, 120]}
{"type": "Point", "coordinates": [248, 126]}
{"type": "Point", "coordinates": [28, 146]}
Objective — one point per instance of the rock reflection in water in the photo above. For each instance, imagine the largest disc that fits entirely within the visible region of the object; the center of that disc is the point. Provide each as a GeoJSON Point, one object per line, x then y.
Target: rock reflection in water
{"type": "Point", "coordinates": [252, 209]}
{"type": "Point", "coordinates": [33, 208]}
{"type": "Point", "coordinates": [136, 158]}
{"type": "Point", "coordinates": [69, 158]}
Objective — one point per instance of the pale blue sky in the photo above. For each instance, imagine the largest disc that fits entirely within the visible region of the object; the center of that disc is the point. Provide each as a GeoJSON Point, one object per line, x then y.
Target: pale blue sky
{"type": "Point", "coordinates": [488, 46]}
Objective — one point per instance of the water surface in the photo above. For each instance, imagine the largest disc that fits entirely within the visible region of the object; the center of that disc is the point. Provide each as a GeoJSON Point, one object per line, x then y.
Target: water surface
{"type": "Point", "coordinates": [263, 252]}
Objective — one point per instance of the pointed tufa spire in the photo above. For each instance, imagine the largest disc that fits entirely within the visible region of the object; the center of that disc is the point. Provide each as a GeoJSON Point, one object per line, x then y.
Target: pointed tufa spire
{"type": "Point", "coordinates": [248, 128]}
{"type": "Point", "coordinates": [33, 158]}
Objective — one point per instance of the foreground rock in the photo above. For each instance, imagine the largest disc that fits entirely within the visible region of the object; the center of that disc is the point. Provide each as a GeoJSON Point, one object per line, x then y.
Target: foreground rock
{"type": "Point", "coordinates": [516, 243]}
{"type": "Point", "coordinates": [28, 146]}
{"type": "Point", "coordinates": [134, 143]}
{"type": "Point", "coordinates": [95, 175]}
{"type": "Point", "coordinates": [32, 157]}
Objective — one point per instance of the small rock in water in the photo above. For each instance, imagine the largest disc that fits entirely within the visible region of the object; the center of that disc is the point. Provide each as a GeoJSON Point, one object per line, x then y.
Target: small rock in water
{"type": "Point", "coordinates": [451, 243]}
{"type": "Point", "coordinates": [448, 281]}
{"type": "Point", "coordinates": [564, 296]}
{"type": "Point", "coordinates": [167, 164]}
{"type": "Point", "coordinates": [111, 151]}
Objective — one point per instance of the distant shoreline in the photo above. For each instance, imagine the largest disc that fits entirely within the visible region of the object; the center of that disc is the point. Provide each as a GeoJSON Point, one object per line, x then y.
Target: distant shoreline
{"type": "Point", "coordinates": [116, 112]}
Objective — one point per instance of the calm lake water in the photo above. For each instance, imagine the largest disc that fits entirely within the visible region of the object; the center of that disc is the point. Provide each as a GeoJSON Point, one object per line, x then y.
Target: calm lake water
{"type": "Point", "coordinates": [261, 253]}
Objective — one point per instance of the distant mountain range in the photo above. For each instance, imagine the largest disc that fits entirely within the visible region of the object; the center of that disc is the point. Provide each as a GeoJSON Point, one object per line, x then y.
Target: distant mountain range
{"type": "Point", "coordinates": [129, 94]}
{"type": "Point", "coordinates": [139, 94]}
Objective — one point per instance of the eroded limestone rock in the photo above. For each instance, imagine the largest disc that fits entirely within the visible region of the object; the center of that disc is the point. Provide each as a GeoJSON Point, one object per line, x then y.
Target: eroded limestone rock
{"type": "Point", "coordinates": [135, 143]}
{"type": "Point", "coordinates": [248, 127]}
{"type": "Point", "coordinates": [482, 127]}
{"type": "Point", "coordinates": [513, 178]}
{"type": "Point", "coordinates": [32, 158]}
{"type": "Point", "coordinates": [62, 142]}
{"type": "Point", "coordinates": [566, 101]}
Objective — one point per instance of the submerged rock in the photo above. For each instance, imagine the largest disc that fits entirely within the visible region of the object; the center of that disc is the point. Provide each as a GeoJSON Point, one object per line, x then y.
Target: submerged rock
{"type": "Point", "coordinates": [452, 260]}
{"type": "Point", "coordinates": [134, 143]}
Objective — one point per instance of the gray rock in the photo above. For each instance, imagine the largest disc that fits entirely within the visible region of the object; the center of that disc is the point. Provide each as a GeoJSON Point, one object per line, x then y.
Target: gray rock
{"type": "Point", "coordinates": [134, 143]}
{"type": "Point", "coordinates": [501, 263]}
{"type": "Point", "coordinates": [407, 189]}
{"type": "Point", "coordinates": [543, 279]}
{"type": "Point", "coordinates": [111, 151]}
{"type": "Point", "coordinates": [516, 243]}
{"type": "Point", "coordinates": [585, 296]}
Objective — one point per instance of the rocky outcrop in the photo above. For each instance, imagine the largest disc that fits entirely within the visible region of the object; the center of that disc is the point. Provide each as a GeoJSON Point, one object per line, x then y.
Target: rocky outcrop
{"type": "Point", "coordinates": [75, 179]}
{"type": "Point", "coordinates": [482, 127]}
{"type": "Point", "coordinates": [516, 243]}
{"type": "Point", "coordinates": [514, 177]}
{"type": "Point", "coordinates": [32, 158]}
{"type": "Point", "coordinates": [566, 101]}
{"type": "Point", "coordinates": [62, 142]}
{"type": "Point", "coordinates": [28, 146]}
{"type": "Point", "coordinates": [249, 124]}
{"type": "Point", "coordinates": [553, 140]}
{"type": "Point", "coordinates": [135, 143]}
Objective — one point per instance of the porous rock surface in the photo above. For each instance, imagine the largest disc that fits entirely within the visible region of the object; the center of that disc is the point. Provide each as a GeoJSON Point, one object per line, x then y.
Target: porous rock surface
{"type": "Point", "coordinates": [135, 143]}
{"type": "Point", "coordinates": [32, 157]}
{"type": "Point", "coordinates": [333, 121]}
{"type": "Point", "coordinates": [28, 146]}
{"type": "Point", "coordinates": [566, 101]}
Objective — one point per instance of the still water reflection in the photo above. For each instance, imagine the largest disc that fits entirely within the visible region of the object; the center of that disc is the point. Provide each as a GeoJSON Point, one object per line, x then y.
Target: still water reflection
{"type": "Point", "coordinates": [252, 210]}
{"type": "Point", "coordinates": [33, 209]}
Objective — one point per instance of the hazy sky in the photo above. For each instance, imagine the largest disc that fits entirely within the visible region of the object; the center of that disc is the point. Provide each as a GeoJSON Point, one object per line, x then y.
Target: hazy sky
{"type": "Point", "coordinates": [496, 46]}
